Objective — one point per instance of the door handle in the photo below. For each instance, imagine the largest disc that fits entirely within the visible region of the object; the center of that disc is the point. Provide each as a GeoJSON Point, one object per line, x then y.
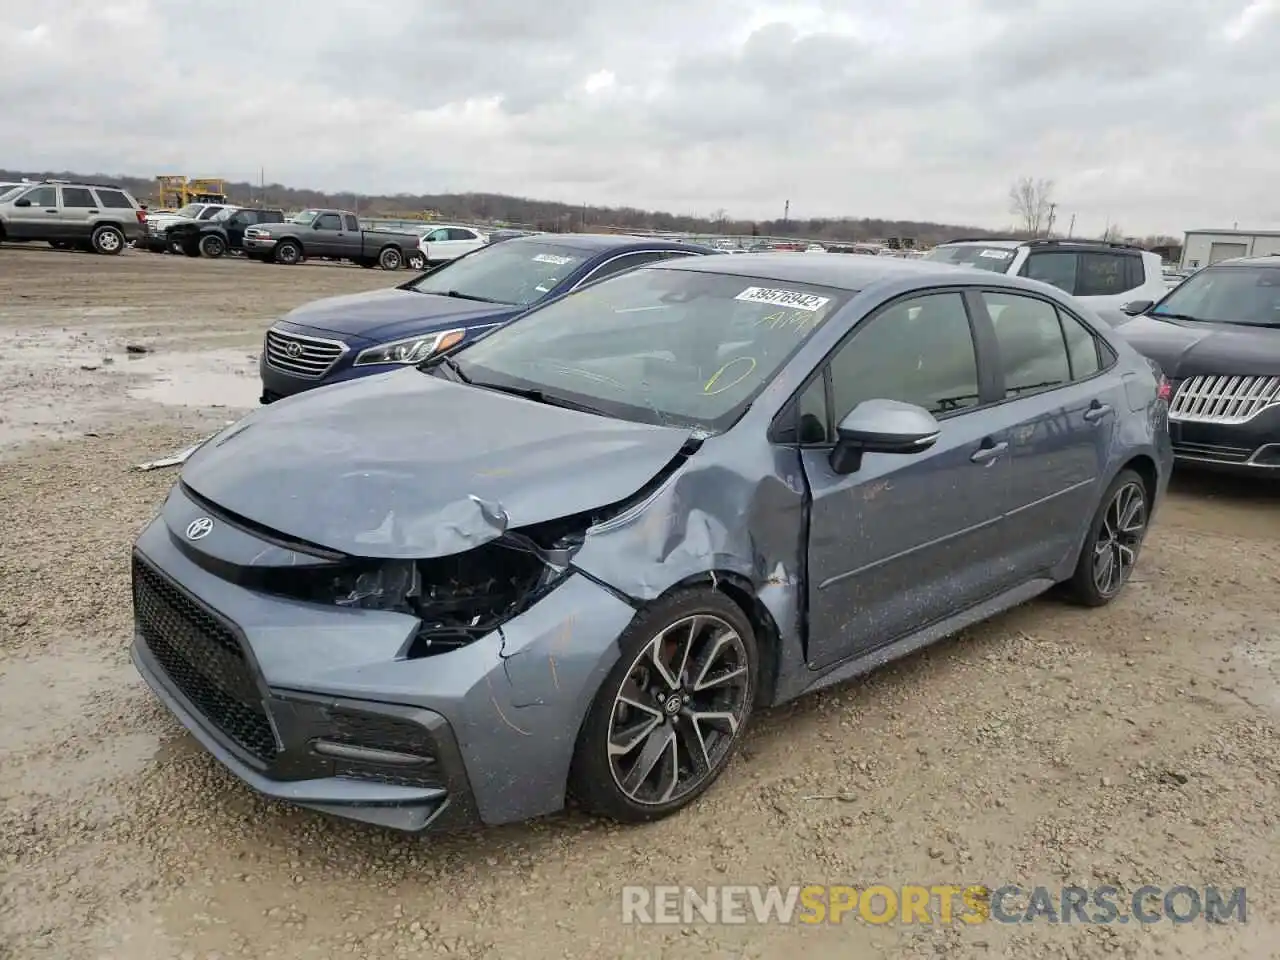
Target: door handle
{"type": "Point", "coordinates": [985, 454]}
{"type": "Point", "coordinates": [1097, 411]}
{"type": "Point", "coordinates": [51, 211]}
{"type": "Point", "coordinates": [94, 211]}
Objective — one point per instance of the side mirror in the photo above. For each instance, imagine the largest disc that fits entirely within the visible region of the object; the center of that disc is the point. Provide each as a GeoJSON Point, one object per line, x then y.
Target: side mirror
{"type": "Point", "coordinates": [882, 426]}
{"type": "Point", "coordinates": [24, 202]}
{"type": "Point", "coordinates": [1138, 307]}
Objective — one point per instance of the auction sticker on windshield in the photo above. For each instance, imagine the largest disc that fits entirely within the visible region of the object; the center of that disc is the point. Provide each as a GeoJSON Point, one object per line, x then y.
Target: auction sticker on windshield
{"type": "Point", "coordinates": [794, 299]}
{"type": "Point", "coordinates": [996, 254]}
{"type": "Point", "coordinates": [552, 258]}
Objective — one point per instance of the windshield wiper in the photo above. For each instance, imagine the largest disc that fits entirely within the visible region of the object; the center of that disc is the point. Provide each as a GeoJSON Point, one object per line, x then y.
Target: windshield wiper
{"type": "Point", "coordinates": [538, 396]}
{"type": "Point", "coordinates": [447, 362]}
{"type": "Point", "coordinates": [458, 294]}
{"type": "Point", "coordinates": [1163, 315]}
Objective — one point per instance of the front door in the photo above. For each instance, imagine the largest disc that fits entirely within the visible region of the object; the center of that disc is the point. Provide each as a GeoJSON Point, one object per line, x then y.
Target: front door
{"type": "Point", "coordinates": [329, 239]}
{"type": "Point", "coordinates": [1065, 399]}
{"type": "Point", "coordinates": [40, 219]}
{"type": "Point", "coordinates": [907, 539]}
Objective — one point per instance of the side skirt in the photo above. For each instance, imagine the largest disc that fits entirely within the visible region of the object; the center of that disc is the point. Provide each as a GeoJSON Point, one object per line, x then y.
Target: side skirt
{"type": "Point", "coordinates": [873, 659]}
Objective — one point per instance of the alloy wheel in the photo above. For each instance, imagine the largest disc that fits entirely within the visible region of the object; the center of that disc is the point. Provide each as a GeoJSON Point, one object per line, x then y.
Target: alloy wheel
{"type": "Point", "coordinates": [108, 241]}
{"type": "Point", "coordinates": [678, 710]}
{"type": "Point", "coordinates": [1116, 550]}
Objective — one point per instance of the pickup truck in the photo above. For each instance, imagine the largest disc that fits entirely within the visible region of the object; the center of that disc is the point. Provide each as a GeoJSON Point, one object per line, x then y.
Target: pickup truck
{"type": "Point", "coordinates": [220, 233]}
{"type": "Point", "coordinates": [328, 235]}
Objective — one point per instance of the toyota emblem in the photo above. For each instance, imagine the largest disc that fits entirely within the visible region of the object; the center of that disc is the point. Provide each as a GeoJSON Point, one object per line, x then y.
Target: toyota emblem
{"type": "Point", "coordinates": [294, 350]}
{"type": "Point", "coordinates": [199, 529]}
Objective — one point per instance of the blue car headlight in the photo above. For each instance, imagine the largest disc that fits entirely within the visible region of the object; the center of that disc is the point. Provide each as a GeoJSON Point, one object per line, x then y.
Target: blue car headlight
{"type": "Point", "coordinates": [411, 349]}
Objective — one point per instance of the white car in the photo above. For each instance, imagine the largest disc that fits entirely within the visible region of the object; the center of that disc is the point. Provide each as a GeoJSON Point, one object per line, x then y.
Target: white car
{"type": "Point", "coordinates": [1102, 274]}
{"type": "Point", "coordinates": [448, 243]}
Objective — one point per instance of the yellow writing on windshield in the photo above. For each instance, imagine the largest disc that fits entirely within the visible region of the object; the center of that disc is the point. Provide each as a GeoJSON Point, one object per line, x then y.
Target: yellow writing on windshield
{"type": "Point", "coordinates": [797, 320]}
{"type": "Point", "coordinates": [746, 365]}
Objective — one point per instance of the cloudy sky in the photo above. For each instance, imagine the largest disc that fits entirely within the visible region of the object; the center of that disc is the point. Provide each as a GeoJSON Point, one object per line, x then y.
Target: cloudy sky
{"type": "Point", "coordinates": [1157, 116]}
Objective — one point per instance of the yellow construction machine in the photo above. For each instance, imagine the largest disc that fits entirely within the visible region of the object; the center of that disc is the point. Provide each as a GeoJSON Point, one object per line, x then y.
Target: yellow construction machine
{"type": "Point", "coordinates": [173, 192]}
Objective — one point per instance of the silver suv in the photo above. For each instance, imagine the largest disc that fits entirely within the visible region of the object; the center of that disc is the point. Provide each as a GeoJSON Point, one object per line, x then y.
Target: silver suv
{"type": "Point", "coordinates": [91, 216]}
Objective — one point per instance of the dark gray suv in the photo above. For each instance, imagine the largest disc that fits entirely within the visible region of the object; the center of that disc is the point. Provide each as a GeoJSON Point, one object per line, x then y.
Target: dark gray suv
{"type": "Point", "coordinates": [91, 216]}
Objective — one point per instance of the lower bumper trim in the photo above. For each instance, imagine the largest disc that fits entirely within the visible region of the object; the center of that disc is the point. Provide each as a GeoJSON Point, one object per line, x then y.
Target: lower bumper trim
{"type": "Point", "coordinates": [399, 807]}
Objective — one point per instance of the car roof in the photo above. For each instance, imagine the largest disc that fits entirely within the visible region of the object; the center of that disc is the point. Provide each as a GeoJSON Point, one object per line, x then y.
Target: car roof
{"type": "Point", "coordinates": [840, 271]}
{"type": "Point", "coordinates": [602, 242]}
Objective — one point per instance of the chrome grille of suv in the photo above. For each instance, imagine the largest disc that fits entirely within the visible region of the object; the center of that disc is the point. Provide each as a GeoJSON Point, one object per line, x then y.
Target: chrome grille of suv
{"type": "Point", "coordinates": [308, 357]}
{"type": "Point", "coordinates": [1223, 399]}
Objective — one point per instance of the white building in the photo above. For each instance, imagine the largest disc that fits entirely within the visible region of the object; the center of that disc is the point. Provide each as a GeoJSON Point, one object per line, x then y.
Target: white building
{"type": "Point", "coordinates": [1203, 247]}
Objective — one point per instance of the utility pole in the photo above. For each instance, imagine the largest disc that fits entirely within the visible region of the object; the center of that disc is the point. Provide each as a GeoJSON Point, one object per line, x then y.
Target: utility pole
{"type": "Point", "coordinates": [1053, 209]}
{"type": "Point", "coordinates": [1072, 228]}
{"type": "Point", "coordinates": [786, 212]}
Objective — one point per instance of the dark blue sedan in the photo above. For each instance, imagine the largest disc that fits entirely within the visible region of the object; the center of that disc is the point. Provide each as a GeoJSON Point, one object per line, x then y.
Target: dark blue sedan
{"type": "Point", "coordinates": [342, 338]}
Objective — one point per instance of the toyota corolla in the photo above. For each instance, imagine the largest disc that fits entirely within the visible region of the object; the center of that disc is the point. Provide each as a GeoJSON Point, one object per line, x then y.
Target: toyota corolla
{"type": "Point", "coordinates": [575, 557]}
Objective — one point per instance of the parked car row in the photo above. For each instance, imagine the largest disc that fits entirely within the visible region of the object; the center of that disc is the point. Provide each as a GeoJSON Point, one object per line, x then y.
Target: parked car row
{"type": "Point", "coordinates": [607, 497]}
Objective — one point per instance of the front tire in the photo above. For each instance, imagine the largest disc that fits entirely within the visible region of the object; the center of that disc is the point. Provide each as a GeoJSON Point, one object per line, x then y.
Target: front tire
{"type": "Point", "coordinates": [1113, 543]}
{"type": "Point", "coordinates": [213, 246]}
{"type": "Point", "coordinates": [669, 715]}
{"type": "Point", "coordinates": [288, 253]}
{"type": "Point", "coordinates": [107, 240]}
{"type": "Point", "coordinates": [416, 261]}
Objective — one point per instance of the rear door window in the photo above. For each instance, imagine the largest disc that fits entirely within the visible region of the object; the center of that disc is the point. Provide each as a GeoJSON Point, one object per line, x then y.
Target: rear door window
{"type": "Point", "coordinates": [1103, 274]}
{"type": "Point", "coordinates": [78, 197]}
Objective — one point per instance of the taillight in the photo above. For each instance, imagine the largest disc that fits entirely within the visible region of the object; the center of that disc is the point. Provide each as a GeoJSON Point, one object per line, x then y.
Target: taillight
{"type": "Point", "coordinates": [1165, 390]}
{"type": "Point", "coordinates": [142, 216]}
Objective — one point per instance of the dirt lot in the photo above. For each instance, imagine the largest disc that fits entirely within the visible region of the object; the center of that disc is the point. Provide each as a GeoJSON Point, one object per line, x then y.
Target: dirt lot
{"type": "Point", "coordinates": [1132, 745]}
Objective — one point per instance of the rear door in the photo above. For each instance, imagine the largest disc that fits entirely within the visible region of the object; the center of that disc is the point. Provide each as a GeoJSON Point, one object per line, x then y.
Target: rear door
{"type": "Point", "coordinates": [907, 539]}
{"type": "Point", "coordinates": [77, 210]}
{"type": "Point", "coordinates": [1062, 396]}
{"type": "Point", "coordinates": [463, 240]}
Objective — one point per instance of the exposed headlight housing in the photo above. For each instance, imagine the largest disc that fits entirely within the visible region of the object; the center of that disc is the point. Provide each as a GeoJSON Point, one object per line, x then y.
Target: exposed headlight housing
{"type": "Point", "coordinates": [410, 350]}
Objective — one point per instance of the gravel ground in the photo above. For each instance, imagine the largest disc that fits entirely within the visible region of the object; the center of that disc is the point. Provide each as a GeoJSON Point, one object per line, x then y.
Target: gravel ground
{"type": "Point", "coordinates": [1135, 744]}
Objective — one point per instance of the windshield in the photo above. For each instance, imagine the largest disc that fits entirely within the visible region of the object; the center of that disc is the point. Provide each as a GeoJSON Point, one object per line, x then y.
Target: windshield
{"type": "Point", "coordinates": [515, 272]}
{"type": "Point", "coordinates": [304, 216]}
{"type": "Point", "coordinates": [656, 345]}
{"type": "Point", "coordinates": [1247, 295]}
{"type": "Point", "coordinates": [995, 259]}
{"type": "Point", "coordinates": [191, 210]}
{"type": "Point", "coordinates": [10, 193]}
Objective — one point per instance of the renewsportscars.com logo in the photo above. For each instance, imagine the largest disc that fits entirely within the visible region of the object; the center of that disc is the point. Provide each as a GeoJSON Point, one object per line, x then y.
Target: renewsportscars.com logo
{"type": "Point", "coordinates": [931, 904]}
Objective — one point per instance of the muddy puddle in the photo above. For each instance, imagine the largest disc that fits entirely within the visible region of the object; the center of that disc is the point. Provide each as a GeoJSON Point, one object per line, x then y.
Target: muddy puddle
{"type": "Point", "coordinates": [62, 383]}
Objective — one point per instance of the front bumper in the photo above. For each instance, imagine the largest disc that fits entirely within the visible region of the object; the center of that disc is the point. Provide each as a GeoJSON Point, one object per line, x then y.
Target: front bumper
{"type": "Point", "coordinates": [1252, 447]}
{"type": "Point", "coordinates": [323, 707]}
{"type": "Point", "coordinates": [259, 246]}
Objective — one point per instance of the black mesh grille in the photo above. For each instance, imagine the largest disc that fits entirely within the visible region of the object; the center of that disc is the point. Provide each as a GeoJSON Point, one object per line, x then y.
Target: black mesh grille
{"type": "Point", "coordinates": [203, 658]}
{"type": "Point", "coordinates": [379, 732]}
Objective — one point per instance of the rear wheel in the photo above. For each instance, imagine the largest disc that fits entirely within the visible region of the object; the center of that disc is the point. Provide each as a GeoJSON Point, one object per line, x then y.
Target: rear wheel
{"type": "Point", "coordinates": [669, 715]}
{"type": "Point", "coordinates": [107, 240]}
{"type": "Point", "coordinates": [1115, 538]}
{"type": "Point", "coordinates": [288, 253]}
{"type": "Point", "coordinates": [389, 258]}
{"type": "Point", "coordinates": [213, 246]}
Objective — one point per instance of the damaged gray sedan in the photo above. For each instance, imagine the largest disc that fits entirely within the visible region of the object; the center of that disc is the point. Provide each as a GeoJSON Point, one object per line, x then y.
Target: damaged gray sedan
{"type": "Point", "coordinates": [574, 557]}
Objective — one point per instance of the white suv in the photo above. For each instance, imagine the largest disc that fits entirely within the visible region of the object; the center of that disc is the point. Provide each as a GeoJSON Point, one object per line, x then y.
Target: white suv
{"type": "Point", "coordinates": [1104, 275]}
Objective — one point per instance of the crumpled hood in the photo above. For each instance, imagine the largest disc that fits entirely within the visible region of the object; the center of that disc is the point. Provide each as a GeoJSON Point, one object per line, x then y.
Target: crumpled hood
{"type": "Point", "coordinates": [1202, 349]}
{"type": "Point", "coordinates": [407, 465]}
{"type": "Point", "coordinates": [376, 313]}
